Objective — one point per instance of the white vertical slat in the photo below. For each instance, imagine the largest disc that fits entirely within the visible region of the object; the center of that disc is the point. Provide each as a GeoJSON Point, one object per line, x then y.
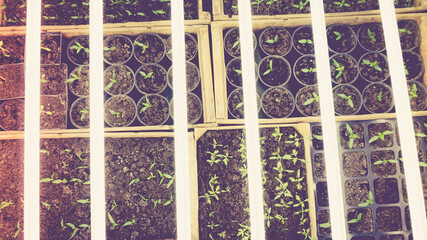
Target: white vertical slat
{"type": "Point", "coordinates": [97, 186]}
{"type": "Point", "coordinates": [404, 119]}
{"type": "Point", "coordinates": [332, 158]}
{"type": "Point", "coordinates": [32, 122]}
{"type": "Point", "coordinates": [182, 177]}
{"type": "Point", "coordinates": [256, 199]}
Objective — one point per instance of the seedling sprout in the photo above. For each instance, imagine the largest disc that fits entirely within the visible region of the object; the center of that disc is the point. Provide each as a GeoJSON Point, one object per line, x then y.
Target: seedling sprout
{"type": "Point", "coordinates": [368, 201]}
{"type": "Point", "coordinates": [403, 30]}
{"type": "Point", "coordinates": [301, 4]}
{"type": "Point", "coordinates": [380, 135]}
{"type": "Point", "coordinates": [144, 47]}
{"type": "Point", "coordinates": [78, 47]}
{"type": "Point", "coordinates": [371, 36]}
{"type": "Point", "coordinates": [83, 112]}
{"type": "Point", "coordinates": [338, 68]}
{"type": "Point", "coordinates": [46, 112]}
{"type": "Point", "coordinates": [380, 95]}
{"type": "Point", "coordinates": [338, 34]}
{"type": "Point", "coordinates": [413, 92]}
{"type": "Point", "coordinates": [352, 136]}
{"type": "Point", "coordinates": [357, 219]}
{"type": "Point", "coordinates": [270, 65]}
{"type": "Point", "coordinates": [341, 4]}
{"type": "Point", "coordinates": [146, 75]}
{"type": "Point", "coordinates": [4, 50]}
{"type": "Point", "coordinates": [114, 113]}
{"type": "Point", "coordinates": [348, 98]}
{"type": "Point", "coordinates": [304, 41]}
{"type": "Point", "coordinates": [372, 64]}
{"type": "Point", "coordinates": [112, 80]}
{"type": "Point", "coordinates": [146, 105]}
{"type": "Point", "coordinates": [311, 100]}
{"type": "Point", "coordinates": [236, 43]}
{"type": "Point", "coordinates": [271, 41]}
{"type": "Point", "coordinates": [309, 70]}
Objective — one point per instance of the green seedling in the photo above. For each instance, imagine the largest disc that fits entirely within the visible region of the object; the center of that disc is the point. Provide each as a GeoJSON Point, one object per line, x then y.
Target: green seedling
{"type": "Point", "coordinates": [163, 176]}
{"type": "Point", "coordinates": [298, 179]}
{"type": "Point", "coordinates": [169, 201]}
{"type": "Point", "coordinates": [45, 152]}
{"type": "Point", "coordinates": [225, 157]}
{"type": "Point", "coordinates": [361, 1]}
{"type": "Point", "coordinates": [146, 75]}
{"type": "Point", "coordinates": [270, 68]}
{"type": "Point", "coordinates": [46, 112]}
{"type": "Point", "coordinates": [282, 189]}
{"type": "Point", "coordinates": [244, 232]}
{"type": "Point", "coordinates": [111, 219]}
{"type": "Point", "coordinates": [305, 41]}
{"type": "Point", "coordinates": [159, 12]}
{"type": "Point", "coordinates": [347, 98]}
{"type": "Point", "coordinates": [136, 180]}
{"type": "Point", "coordinates": [215, 190]}
{"type": "Point", "coordinates": [341, 4]}
{"type": "Point", "coordinates": [357, 219]}
{"type": "Point", "coordinates": [62, 224]}
{"type": "Point", "coordinates": [284, 204]}
{"type": "Point", "coordinates": [368, 201]}
{"type": "Point", "coordinates": [380, 135]}
{"type": "Point", "coordinates": [151, 176]}
{"type": "Point", "coordinates": [74, 228]}
{"type": "Point", "coordinates": [146, 105]}
{"type": "Point", "coordinates": [83, 112]}
{"type": "Point", "coordinates": [301, 4]}
{"type": "Point", "coordinates": [114, 113]}
{"type": "Point", "coordinates": [311, 100]}
{"type": "Point", "coordinates": [277, 100]}
{"type": "Point", "coordinates": [325, 225]}
{"type": "Point", "coordinates": [338, 68]}
{"type": "Point", "coordinates": [306, 233]}
{"type": "Point", "coordinates": [257, 2]}
{"type": "Point", "coordinates": [152, 164]}
{"type": "Point", "coordinates": [352, 136]}
{"type": "Point", "coordinates": [6, 204]}
{"type": "Point", "coordinates": [419, 134]}
{"type": "Point", "coordinates": [385, 161]}
{"type": "Point", "coordinates": [318, 137]}
{"type": "Point", "coordinates": [235, 6]}
{"type": "Point", "coordinates": [268, 217]}
{"type": "Point", "coordinates": [18, 230]}
{"type": "Point", "coordinates": [371, 36]}
{"type": "Point", "coordinates": [271, 41]}
{"type": "Point", "coordinates": [413, 92]}
{"type": "Point", "coordinates": [403, 30]}
{"type": "Point", "coordinates": [379, 97]}
{"type": "Point", "coordinates": [372, 64]}
{"type": "Point", "coordinates": [47, 179]}
{"type": "Point", "coordinates": [128, 12]}
{"type": "Point", "coordinates": [140, 14]}
{"type": "Point", "coordinates": [128, 223]}
{"type": "Point", "coordinates": [43, 80]}
{"type": "Point", "coordinates": [406, 70]}
{"type": "Point", "coordinates": [236, 43]}
{"type": "Point", "coordinates": [281, 219]}
{"type": "Point", "coordinates": [294, 139]}
{"type": "Point", "coordinates": [78, 47]}
{"type": "Point", "coordinates": [114, 205]}
{"type": "Point", "coordinates": [277, 134]}
{"type": "Point", "coordinates": [159, 201]}
{"type": "Point", "coordinates": [75, 77]}
{"type": "Point", "coordinates": [45, 48]}
{"type": "Point", "coordinates": [144, 47]}
{"type": "Point", "coordinates": [47, 205]}
{"type": "Point", "coordinates": [213, 157]}
{"type": "Point", "coordinates": [338, 34]}
{"type": "Point", "coordinates": [222, 235]}
{"type": "Point", "coordinates": [112, 80]}
{"type": "Point", "coordinates": [212, 226]}
{"type": "Point", "coordinates": [309, 70]}
{"type": "Point", "coordinates": [76, 180]}
{"type": "Point", "coordinates": [85, 183]}
{"type": "Point", "coordinates": [215, 144]}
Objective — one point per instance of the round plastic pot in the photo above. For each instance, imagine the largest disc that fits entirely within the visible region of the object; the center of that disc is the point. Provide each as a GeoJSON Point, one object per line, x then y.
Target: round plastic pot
{"type": "Point", "coordinates": [279, 91]}
{"type": "Point", "coordinates": [189, 55]}
{"type": "Point", "coordinates": [155, 104]}
{"type": "Point", "coordinates": [332, 38]}
{"type": "Point", "coordinates": [125, 43]}
{"type": "Point", "coordinates": [229, 46]}
{"type": "Point", "coordinates": [298, 70]}
{"type": "Point", "coordinates": [197, 103]}
{"type": "Point", "coordinates": [302, 40]}
{"type": "Point", "coordinates": [237, 94]}
{"type": "Point", "coordinates": [117, 91]}
{"type": "Point", "coordinates": [280, 46]}
{"type": "Point", "coordinates": [80, 123]}
{"type": "Point", "coordinates": [412, 39]}
{"type": "Point", "coordinates": [124, 106]}
{"type": "Point", "coordinates": [84, 41]}
{"type": "Point", "coordinates": [232, 69]}
{"type": "Point", "coordinates": [313, 107]}
{"type": "Point", "coordinates": [383, 98]}
{"type": "Point", "coordinates": [418, 103]}
{"type": "Point", "coordinates": [346, 77]}
{"type": "Point", "coordinates": [148, 39]}
{"type": "Point", "coordinates": [376, 31]}
{"type": "Point", "coordinates": [279, 75]}
{"type": "Point", "coordinates": [337, 98]}
{"type": "Point", "coordinates": [191, 69]}
{"type": "Point", "coordinates": [410, 57]}
{"type": "Point", "coordinates": [147, 87]}
{"type": "Point", "coordinates": [384, 67]}
{"type": "Point", "coordinates": [80, 87]}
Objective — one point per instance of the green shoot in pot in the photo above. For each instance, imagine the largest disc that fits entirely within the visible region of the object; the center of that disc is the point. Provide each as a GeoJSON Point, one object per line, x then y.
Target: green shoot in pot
{"type": "Point", "coordinates": [146, 105]}
{"type": "Point", "coordinates": [78, 47]}
{"type": "Point", "coordinates": [372, 64]}
{"type": "Point", "coordinates": [301, 4]}
{"type": "Point", "coordinates": [271, 41]}
{"type": "Point", "coordinates": [270, 68]}
{"type": "Point", "coordinates": [380, 135]}
{"type": "Point", "coordinates": [348, 98]}
{"type": "Point", "coordinates": [341, 4]}
{"type": "Point", "coordinates": [352, 136]}
{"type": "Point", "coordinates": [338, 68]}
{"type": "Point", "coordinates": [368, 201]}
{"type": "Point", "coordinates": [311, 100]}
{"type": "Point", "coordinates": [371, 36]}
{"type": "Point", "coordinates": [357, 219]}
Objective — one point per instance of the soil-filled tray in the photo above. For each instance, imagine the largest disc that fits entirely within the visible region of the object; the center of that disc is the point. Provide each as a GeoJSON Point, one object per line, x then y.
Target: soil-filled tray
{"type": "Point", "coordinates": [373, 180]}
{"type": "Point", "coordinates": [222, 178]}
{"type": "Point", "coordinates": [226, 40]}
{"type": "Point", "coordinates": [263, 9]}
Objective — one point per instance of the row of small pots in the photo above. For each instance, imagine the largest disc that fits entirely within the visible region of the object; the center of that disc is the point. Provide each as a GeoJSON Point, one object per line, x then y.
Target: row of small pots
{"type": "Point", "coordinates": [342, 38]}
{"type": "Point", "coordinates": [119, 49]}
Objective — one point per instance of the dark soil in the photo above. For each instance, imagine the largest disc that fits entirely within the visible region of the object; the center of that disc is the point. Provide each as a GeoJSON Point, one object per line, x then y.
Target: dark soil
{"type": "Point", "coordinates": [342, 106]}
{"type": "Point", "coordinates": [12, 81]}
{"type": "Point", "coordinates": [80, 113]}
{"type": "Point", "coordinates": [389, 219]}
{"type": "Point", "coordinates": [14, 12]}
{"type": "Point", "coordinates": [274, 8]}
{"type": "Point", "coordinates": [383, 169]}
{"type": "Point", "coordinates": [230, 42]}
{"type": "Point", "coordinates": [371, 37]}
{"type": "Point", "coordinates": [53, 79]}
{"type": "Point", "coordinates": [319, 165]}
{"type": "Point", "coordinates": [409, 33]}
{"type": "Point", "coordinates": [117, 49]}
{"type": "Point", "coordinates": [365, 225]}
{"type": "Point", "coordinates": [12, 114]}
{"type": "Point", "coordinates": [50, 52]}
{"type": "Point", "coordinates": [371, 73]}
{"type": "Point", "coordinates": [374, 129]}
{"type": "Point", "coordinates": [154, 80]}
{"type": "Point", "coordinates": [408, 219]}
{"type": "Point", "coordinates": [414, 65]}
{"type": "Point", "coordinates": [123, 76]}
{"type": "Point", "coordinates": [300, 37]}
{"type": "Point", "coordinates": [305, 70]}
{"type": "Point", "coordinates": [64, 188]}
{"type": "Point", "coordinates": [404, 3]}
{"type": "Point", "coordinates": [356, 192]}
{"type": "Point", "coordinates": [12, 50]}
{"type": "Point", "coordinates": [323, 217]}
{"type": "Point", "coordinates": [124, 106]}
{"type": "Point", "coordinates": [322, 194]}
{"type": "Point", "coordinates": [157, 114]}
{"type": "Point", "coordinates": [349, 73]}
{"type": "Point", "coordinates": [79, 57]}
{"type": "Point", "coordinates": [70, 12]}
{"type": "Point", "coordinates": [234, 104]}
{"type": "Point", "coordinates": [316, 132]}
{"type": "Point", "coordinates": [191, 47]}
{"type": "Point", "coordinates": [234, 74]}
{"type": "Point", "coordinates": [343, 44]}
{"type": "Point", "coordinates": [194, 108]}
{"type": "Point", "coordinates": [54, 114]}
{"type": "Point", "coordinates": [392, 237]}
{"type": "Point", "coordinates": [276, 75]}
{"type": "Point", "coordinates": [386, 191]}
{"type": "Point", "coordinates": [303, 95]}
{"type": "Point", "coordinates": [275, 41]}
{"type": "Point", "coordinates": [355, 164]}
{"type": "Point", "coordinates": [146, 200]}
{"type": "Point", "coordinates": [417, 130]}
{"type": "Point", "coordinates": [155, 51]}
{"type": "Point", "coordinates": [80, 87]}
{"type": "Point", "coordinates": [330, 7]}
{"type": "Point", "coordinates": [192, 76]}
{"type": "Point", "coordinates": [371, 98]}
{"type": "Point", "coordinates": [358, 142]}
{"type": "Point", "coordinates": [277, 102]}
{"type": "Point", "coordinates": [12, 188]}
{"type": "Point", "coordinates": [418, 102]}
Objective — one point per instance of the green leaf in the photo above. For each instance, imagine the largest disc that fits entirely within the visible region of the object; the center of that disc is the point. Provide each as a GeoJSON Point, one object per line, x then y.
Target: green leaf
{"type": "Point", "coordinates": [349, 128]}
{"type": "Point", "coordinates": [325, 225]}
{"type": "Point", "coordinates": [387, 133]}
{"type": "Point", "coordinates": [366, 61]}
{"type": "Point", "coordinates": [236, 43]}
{"type": "Point", "coordinates": [350, 103]}
{"type": "Point", "coordinates": [128, 223]}
{"type": "Point", "coordinates": [373, 139]}
{"type": "Point", "coordinates": [83, 201]}
{"type": "Point", "coordinates": [309, 101]}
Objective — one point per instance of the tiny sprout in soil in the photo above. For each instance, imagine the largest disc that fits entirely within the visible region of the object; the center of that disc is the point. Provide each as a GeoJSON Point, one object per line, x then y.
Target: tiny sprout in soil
{"type": "Point", "coordinates": [357, 219]}
{"type": "Point", "coordinates": [342, 4]}
{"type": "Point", "coordinates": [339, 68]}
{"type": "Point", "coordinates": [144, 47]}
{"type": "Point", "coordinates": [43, 80]}
{"type": "Point", "coordinates": [379, 97]}
{"type": "Point", "coordinates": [301, 4]}
{"type": "Point", "coordinates": [109, 49]}
{"type": "Point", "coordinates": [338, 34]}
{"type": "Point", "coordinates": [311, 100]}
{"type": "Point", "coordinates": [112, 80]}
{"type": "Point", "coordinates": [114, 113]}
{"type": "Point", "coordinates": [146, 75]}
{"type": "Point", "coordinates": [413, 93]}
{"type": "Point", "coordinates": [325, 225]}
{"type": "Point", "coordinates": [78, 47]}
{"type": "Point", "coordinates": [385, 161]}
{"type": "Point", "coordinates": [146, 105]}
{"type": "Point", "coordinates": [4, 50]}
{"type": "Point", "coordinates": [83, 112]}
{"type": "Point", "coordinates": [371, 36]}
{"type": "Point", "coordinates": [380, 136]}
{"type": "Point", "coordinates": [310, 70]}
{"type": "Point", "coordinates": [46, 112]}
{"type": "Point", "coordinates": [236, 43]}
{"type": "Point", "coordinates": [45, 152]}
{"type": "Point", "coordinates": [368, 201]}
{"type": "Point", "coordinates": [348, 98]}
{"type": "Point", "coordinates": [75, 77]}
{"type": "Point", "coordinates": [352, 136]}
{"type": "Point", "coordinates": [304, 41]}
{"type": "Point", "coordinates": [372, 64]}
{"type": "Point", "coordinates": [271, 41]}
{"type": "Point", "coordinates": [405, 31]}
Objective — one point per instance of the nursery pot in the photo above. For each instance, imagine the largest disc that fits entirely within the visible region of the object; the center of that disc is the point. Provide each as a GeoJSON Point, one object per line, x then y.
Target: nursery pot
{"type": "Point", "coordinates": [119, 111]}
{"type": "Point", "coordinates": [344, 44]}
{"type": "Point", "coordinates": [80, 112]}
{"type": "Point", "coordinates": [191, 47]}
{"type": "Point", "coordinates": [306, 102]}
{"type": "Point", "coordinates": [157, 114]}
{"type": "Point", "coordinates": [234, 99]}
{"type": "Point", "coordinates": [342, 105]}
{"type": "Point", "coordinates": [12, 78]}
{"type": "Point", "coordinates": [275, 41]}
{"type": "Point", "coordinates": [302, 40]}
{"type": "Point", "coordinates": [347, 75]}
{"type": "Point", "coordinates": [234, 72]}
{"type": "Point", "coordinates": [275, 77]}
{"type": "Point", "coordinates": [12, 113]}
{"type": "Point", "coordinates": [124, 77]}
{"type": "Point", "coordinates": [371, 99]}
{"type": "Point", "coordinates": [371, 37]}
{"type": "Point", "coordinates": [80, 87]}
{"type": "Point", "coordinates": [194, 108]}
{"type": "Point", "coordinates": [414, 65]}
{"type": "Point", "coordinates": [409, 34]}
{"type": "Point", "coordinates": [51, 50]}
{"type": "Point", "coordinates": [305, 70]}
{"type": "Point", "coordinates": [277, 102]}
{"type": "Point", "coordinates": [122, 52]}
{"type": "Point", "coordinates": [192, 76]}
{"type": "Point", "coordinates": [418, 102]}
{"type": "Point", "coordinates": [155, 51]}
{"type": "Point", "coordinates": [78, 56]}
{"type": "Point", "coordinates": [230, 40]}
{"type": "Point", "coordinates": [374, 74]}
{"type": "Point", "coordinates": [53, 79]}
{"type": "Point", "coordinates": [155, 83]}
{"type": "Point", "coordinates": [53, 114]}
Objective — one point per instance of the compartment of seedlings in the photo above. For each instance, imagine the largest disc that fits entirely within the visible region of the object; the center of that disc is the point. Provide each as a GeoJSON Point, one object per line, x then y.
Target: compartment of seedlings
{"type": "Point", "coordinates": [222, 178]}
{"type": "Point", "coordinates": [374, 189]}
